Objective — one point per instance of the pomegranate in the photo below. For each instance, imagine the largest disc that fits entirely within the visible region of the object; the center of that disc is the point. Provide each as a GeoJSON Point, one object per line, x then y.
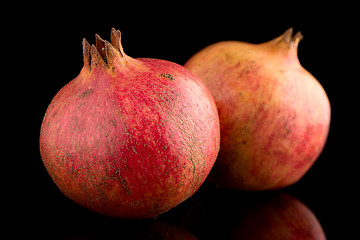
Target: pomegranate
{"type": "Point", "coordinates": [274, 115]}
{"type": "Point", "coordinates": [129, 138]}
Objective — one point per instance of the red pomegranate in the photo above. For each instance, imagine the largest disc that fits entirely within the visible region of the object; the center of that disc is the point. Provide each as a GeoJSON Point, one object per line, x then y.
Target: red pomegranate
{"type": "Point", "coordinates": [274, 115]}
{"type": "Point", "coordinates": [129, 138]}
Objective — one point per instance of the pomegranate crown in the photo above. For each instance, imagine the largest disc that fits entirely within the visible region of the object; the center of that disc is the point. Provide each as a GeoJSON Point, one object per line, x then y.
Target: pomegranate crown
{"type": "Point", "coordinates": [288, 39]}
{"type": "Point", "coordinates": [103, 53]}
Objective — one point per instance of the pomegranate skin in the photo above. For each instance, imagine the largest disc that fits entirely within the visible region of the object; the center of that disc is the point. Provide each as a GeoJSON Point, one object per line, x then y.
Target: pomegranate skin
{"type": "Point", "coordinates": [129, 138]}
{"type": "Point", "coordinates": [274, 115]}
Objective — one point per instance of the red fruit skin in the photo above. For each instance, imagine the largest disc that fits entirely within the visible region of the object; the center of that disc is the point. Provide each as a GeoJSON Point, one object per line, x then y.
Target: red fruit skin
{"type": "Point", "coordinates": [132, 139]}
{"type": "Point", "coordinates": [274, 115]}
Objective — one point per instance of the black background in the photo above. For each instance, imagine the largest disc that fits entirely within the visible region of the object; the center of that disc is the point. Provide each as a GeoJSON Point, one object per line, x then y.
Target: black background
{"type": "Point", "coordinates": [45, 53]}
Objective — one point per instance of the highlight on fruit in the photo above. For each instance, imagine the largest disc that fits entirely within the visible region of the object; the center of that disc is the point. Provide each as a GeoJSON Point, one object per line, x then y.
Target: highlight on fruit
{"type": "Point", "coordinates": [129, 138]}
{"type": "Point", "coordinates": [274, 115]}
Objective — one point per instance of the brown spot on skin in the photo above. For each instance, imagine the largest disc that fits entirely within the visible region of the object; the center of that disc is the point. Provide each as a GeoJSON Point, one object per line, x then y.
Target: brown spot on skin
{"type": "Point", "coordinates": [86, 93]}
{"type": "Point", "coordinates": [168, 76]}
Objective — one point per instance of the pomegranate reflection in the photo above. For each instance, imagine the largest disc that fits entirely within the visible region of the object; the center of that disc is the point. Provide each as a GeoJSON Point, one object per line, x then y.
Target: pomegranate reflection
{"type": "Point", "coordinates": [282, 217]}
{"type": "Point", "coordinates": [152, 230]}
{"type": "Point", "coordinates": [254, 216]}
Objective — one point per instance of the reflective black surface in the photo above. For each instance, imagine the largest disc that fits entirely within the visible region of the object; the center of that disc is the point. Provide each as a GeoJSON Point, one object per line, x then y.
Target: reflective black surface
{"type": "Point", "coordinates": [212, 213]}
{"type": "Point", "coordinates": [47, 54]}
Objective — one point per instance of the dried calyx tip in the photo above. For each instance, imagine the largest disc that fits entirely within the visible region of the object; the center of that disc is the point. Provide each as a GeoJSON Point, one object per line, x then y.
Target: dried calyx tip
{"type": "Point", "coordinates": [100, 46]}
{"type": "Point", "coordinates": [102, 49]}
{"type": "Point", "coordinates": [116, 40]}
{"type": "Point", "coordinates": [86, 53]}
{"type": "Point", "coordinates": [297, 38]}
{"type": "Point", "coordinates": [288, 38]}
{"type": "Point", "coordinates": [287, 35]}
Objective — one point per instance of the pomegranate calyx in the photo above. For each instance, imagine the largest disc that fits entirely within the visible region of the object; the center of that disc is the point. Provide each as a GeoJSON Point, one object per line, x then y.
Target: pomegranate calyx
{"type": "Point", "coordinates": [103, 53]}
{"type": "Point", "coordinates": [116, 41]}
{"type": "Point", "coordinates": [287, 39]}
{"type": "Point", "coordinates": [296, 39]}
{"type": "Point", "coordinates": [286, 36]}
{"type": "Point", "coordinates": [86, 54]}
